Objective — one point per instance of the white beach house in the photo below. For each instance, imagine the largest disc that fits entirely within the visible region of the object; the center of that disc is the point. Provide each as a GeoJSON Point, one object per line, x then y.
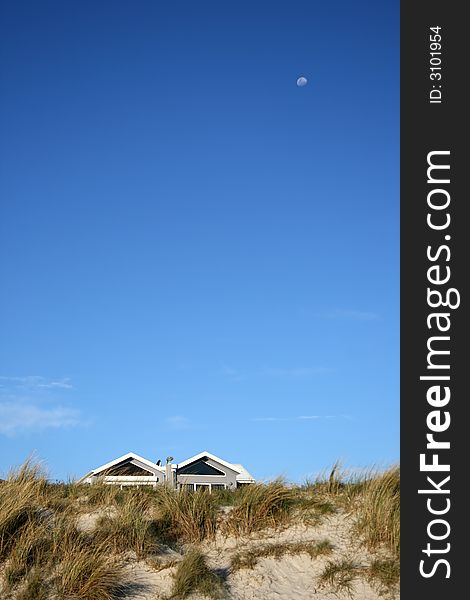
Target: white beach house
{"type": "Point", "coordinates": [202, 471]}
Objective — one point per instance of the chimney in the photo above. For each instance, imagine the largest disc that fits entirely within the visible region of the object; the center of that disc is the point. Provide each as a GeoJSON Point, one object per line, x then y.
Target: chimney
{"type": "Point", "coordinates": [168, 472]}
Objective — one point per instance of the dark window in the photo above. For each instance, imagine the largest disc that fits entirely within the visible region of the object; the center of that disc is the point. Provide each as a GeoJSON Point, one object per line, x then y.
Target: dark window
{"type": "Point", "coordinates": [218, 486]}
{"type": "Point", "coordinates": [199, 467]}
{"type": "Point", "coordinates": [201, 486]}
{"type": "Point", "coordinates": [127, 468]}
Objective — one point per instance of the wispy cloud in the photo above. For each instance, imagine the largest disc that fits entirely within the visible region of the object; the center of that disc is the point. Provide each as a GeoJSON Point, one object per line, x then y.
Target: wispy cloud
{"type": "Point", "coordinates": [35, 382]}
{"type": "Point", "coordinates": [16, 417]}
{"type": "Point", "coordinates": [63, 384]}
{"type": "Point", "coordinates": [300, 418]}
{"type": "Point", "coordinates": [295, 372]}
{"type": "Point", "coordinates": [178, 422]}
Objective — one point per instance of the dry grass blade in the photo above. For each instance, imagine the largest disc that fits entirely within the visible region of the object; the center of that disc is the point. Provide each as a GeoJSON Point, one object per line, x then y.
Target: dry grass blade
{"type": "Point", "coordinates": [130, 528]}
{"type": "Point", "coordinates": [21, 503]}
{"type": "Point", "coordinates": [384, 575]}
{"type": "Point", "coordinates": [34, 588]}
{"type": "Point", "coordinates": [88, 573]}
{"type": "Point", "coordinates": [260, 506]}
{"type": "Point", "coordinates": [42, 552]}
{"type": "Point", "coordinates": [379, 511]}
{"type": "Point", "coordinates": [193, 575]}
{"type": "Point", "coordinates": [340, 575]}
{"type": "Point", "coordinates": [186, 516]}
{"type": "Point", "coordinates": [249, 558]}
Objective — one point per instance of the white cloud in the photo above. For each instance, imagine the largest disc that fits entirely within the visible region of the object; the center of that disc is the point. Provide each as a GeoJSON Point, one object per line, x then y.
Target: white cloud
{"type": "Point", "coordinates": [18, 417]}
{"type": "Point", "coordinates": [63, 384]}
{"type": "Point", "coordinates": [35, 382]}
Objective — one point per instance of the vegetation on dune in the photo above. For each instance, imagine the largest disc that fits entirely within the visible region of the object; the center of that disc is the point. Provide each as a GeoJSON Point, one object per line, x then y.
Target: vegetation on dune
{"type": "Point", "coordinates": [340, 575]}
{"type": "Point", "coordinates": [248, 559]}
{"type": "Point", "coordinates": [260, 506]}
{"type": "Point", "coordinates": [41, 550]}
{"type": "Point", "coordinates": [373, 501]}
{"type": "Point", "coordinates": [193, 575]}
{"type": "Point", "coordinates": [44, 554]}
{"type": "Point", "coordinates": [382, 574]}
{"type": "Point", "coordinates": [186, 516]}
{"type": "Point", "coordinates": [130, 528]}
{"type": "Point", "coordinates": [379, 511]}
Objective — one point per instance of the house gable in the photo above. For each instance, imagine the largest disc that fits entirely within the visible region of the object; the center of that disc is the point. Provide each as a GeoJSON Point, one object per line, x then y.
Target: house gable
{"type": "Point", "coordinates": [208, 457]}
{"type": "Point", "coordinates": [131, 462]}
{"type": "Point", "coordinates": [200, 467]}
{"type": "Point", "coordinates": [128, 467]}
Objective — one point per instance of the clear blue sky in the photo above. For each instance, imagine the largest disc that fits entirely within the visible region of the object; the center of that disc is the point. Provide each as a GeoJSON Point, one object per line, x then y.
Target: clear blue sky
{"type": "Point", "coordinates": [195, 252]}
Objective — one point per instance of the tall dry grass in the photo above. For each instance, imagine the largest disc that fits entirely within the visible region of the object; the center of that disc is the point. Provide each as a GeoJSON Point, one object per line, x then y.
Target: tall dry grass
{"type": "Point", "coordinates": [194, 575]}
{"type": "Point", "coordinates": [260, 506]}
{"type": "Point", "coordinates": [21, 504]}
{"type": "Point", "coordinates": [337, 486]}
{"type": "Point", "coordinates": [43, 555]}
{"type": "Point", "coordinates": [42, 552]}
{"type": "Point", "coordinates": [248, 559]}
{"type": "Point", "coordinates": [130, 527]}
{"type": "Point", "coordinates": [379, 511]}
{"type": "Point", "coordinates": [88, 572]}
{"type": "Point", "coordinates": [186, 516]}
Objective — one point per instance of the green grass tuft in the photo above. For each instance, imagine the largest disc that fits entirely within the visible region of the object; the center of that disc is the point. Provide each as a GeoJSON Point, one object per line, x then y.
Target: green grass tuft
{"type": "Point", "coordinates": [340, 575]}
{"type": "Point", "coordinates": [260, 506]}
{"type": "Point", "coordinates": [249, 559]}
{"type": "Point", "coordinates": [193, 575]}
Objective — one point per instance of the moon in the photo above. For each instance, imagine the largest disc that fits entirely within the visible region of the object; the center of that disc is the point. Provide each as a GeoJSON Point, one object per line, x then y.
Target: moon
{"type": "Point", "coordinates": [302, 81]}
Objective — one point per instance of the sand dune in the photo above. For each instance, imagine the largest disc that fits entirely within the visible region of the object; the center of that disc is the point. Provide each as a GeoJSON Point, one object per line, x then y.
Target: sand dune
{"type": "Point", "coordinates": [287, 578]}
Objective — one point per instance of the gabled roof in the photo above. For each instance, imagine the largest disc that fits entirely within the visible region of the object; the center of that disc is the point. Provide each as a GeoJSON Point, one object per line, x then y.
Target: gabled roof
{"type": "Point", "coordinates": [243, 474]}
{"type": "Point", "coordinates": [131, 455]}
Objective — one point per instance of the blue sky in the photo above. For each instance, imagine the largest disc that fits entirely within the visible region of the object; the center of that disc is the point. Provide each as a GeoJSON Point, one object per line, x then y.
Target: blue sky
{"type": "Point", "coordinates": [195, 252]}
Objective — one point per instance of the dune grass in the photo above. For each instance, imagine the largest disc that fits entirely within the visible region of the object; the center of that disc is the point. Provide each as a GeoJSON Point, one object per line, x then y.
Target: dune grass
{"type": "Point", "coordinates": [384, 575]}
{"type": "Point", "coordinates": [339, 576]}
{"type": "Point", "coordinates": [193, 575]}
{"type": "Point", "coordinates": [41, 550]}
{"type": "Point", "coordinates": [43, 555]}
{"type": "Point", "coordinates": [248, 559]}
{"type": "Point", "coordinates": [379, 511]}
{"type": "Point", "coordinates": [83, 567]}
{"type": "Point", "coordinates": [337, 486]}
{"type": "Point", "coordinates": [186, 516]}
{"type": "Point", "coordinates": [373, 497]}
{"type": "Point", "coordinates": [129, 528]}
{"type": "Point", "coordinates": [20, 504]}
{"type": "Point", "coordinates": [260, 506]}
{"type": "Point", "coordinates": [88, 572]}
{"type": "Point", "coordinates": [33, 588]}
